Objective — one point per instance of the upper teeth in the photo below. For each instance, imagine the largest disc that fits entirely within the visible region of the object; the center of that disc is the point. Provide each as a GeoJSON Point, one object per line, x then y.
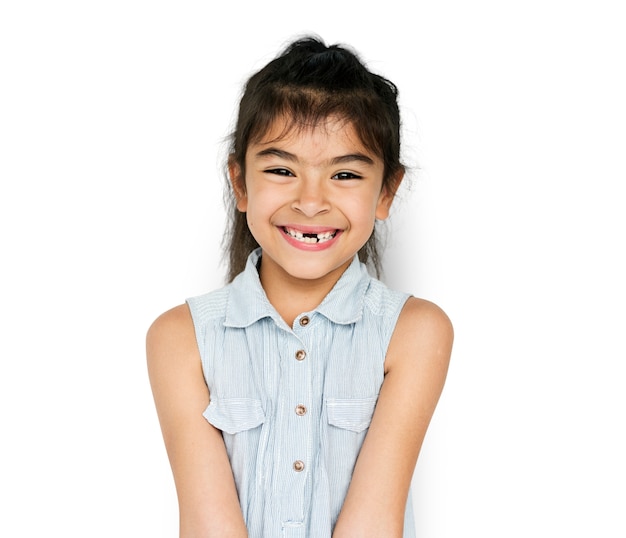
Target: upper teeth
{"type": "Point", "coordinates": [310, 237]}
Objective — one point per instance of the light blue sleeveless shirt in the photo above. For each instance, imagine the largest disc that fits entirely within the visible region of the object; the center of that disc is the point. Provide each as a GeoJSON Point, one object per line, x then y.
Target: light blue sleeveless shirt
{"type": "Point", "coordinates": [294, 403]}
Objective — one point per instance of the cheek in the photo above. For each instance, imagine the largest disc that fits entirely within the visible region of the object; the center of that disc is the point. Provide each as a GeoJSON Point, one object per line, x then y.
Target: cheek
{"type": "Point", "coordinates": [267, 197]}
{"type": "Point", "coordinates": [261, 205]}
{"type": "Point", "coordinates": [361, 211]}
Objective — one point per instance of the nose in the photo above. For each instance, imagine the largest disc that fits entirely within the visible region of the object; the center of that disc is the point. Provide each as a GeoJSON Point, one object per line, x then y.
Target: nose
{"type": "Point", "coordinates": [311, 198]}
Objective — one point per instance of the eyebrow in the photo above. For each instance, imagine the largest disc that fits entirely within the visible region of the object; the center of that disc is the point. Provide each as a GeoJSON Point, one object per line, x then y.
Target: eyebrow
{"type": "Point", "coordinates": [342, 159]}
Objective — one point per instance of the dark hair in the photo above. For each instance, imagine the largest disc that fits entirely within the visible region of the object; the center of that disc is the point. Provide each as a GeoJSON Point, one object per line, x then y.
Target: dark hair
{"type": "Point", "coordinates": [307, 83]}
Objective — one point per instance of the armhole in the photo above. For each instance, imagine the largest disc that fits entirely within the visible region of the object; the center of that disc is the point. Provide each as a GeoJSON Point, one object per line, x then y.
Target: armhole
{"type": "Point", "coordinates": [391, 314]}
{"type": "Point", "coordinates": [206, 310]}
{"type": "Point", "coordinates": [192, 304]}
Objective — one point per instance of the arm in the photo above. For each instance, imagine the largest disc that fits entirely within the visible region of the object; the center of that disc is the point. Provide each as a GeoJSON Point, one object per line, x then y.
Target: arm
{"type": "Point", "coordinates": [415, 370]}
{"type": "Point", "coordinates": [207, 497]}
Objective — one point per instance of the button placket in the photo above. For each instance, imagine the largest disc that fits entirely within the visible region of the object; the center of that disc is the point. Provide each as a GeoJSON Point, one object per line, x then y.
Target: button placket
{"type": "Point", "coordinates": [298, 449]}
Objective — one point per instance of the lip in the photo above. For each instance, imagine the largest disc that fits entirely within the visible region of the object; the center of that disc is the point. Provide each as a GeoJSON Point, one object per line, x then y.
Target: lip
{"type": "Point", "coordinates": [310, 247]}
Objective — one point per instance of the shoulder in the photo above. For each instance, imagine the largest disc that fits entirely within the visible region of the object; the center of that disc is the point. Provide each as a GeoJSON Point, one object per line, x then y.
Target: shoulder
{"type": "Point", "coordinates": [171, 322]}
{"type": "Point", "coordinates": [382, 300]}
{"type": "Point", "coordinates": [422, 315]}
{"type": "Point", "coordinates": [210, 305]}
{"type": "Point", "coordinates": [171, 334]}
{"type": "Point", "coordinates": [423, 335]}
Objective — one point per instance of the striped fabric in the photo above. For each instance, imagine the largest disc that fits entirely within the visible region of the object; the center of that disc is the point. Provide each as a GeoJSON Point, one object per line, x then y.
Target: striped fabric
{"type": "Point", "coordinates": [294, 403]}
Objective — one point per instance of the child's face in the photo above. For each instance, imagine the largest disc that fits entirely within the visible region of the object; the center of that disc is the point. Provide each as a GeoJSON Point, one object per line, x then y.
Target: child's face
{"type": "Point", "coordinates": [311, 198]}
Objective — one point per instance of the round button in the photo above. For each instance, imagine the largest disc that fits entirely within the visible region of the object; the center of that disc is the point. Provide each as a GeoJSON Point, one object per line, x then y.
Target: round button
{"type": "Point", "coordinates": [300, 355]}
{"type": "Point", "coordinates": [304, 321]}
{"type": "Point", "coordinates": [300, 410]}
{"type": "Point", "coordinates": [298, 466]}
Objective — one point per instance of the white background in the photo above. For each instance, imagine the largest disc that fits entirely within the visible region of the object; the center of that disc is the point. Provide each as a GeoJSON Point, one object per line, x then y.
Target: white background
{"type": "Point", "coordinates": [112, 116]}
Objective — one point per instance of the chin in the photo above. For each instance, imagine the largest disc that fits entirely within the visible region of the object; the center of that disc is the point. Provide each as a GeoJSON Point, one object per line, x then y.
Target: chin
{"type": "Point", "coordinates": [315, 273]}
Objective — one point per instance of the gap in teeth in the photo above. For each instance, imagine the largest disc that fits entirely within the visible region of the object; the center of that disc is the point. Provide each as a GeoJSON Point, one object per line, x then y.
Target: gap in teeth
{"type": "Point", "coordinates": [310, 238]}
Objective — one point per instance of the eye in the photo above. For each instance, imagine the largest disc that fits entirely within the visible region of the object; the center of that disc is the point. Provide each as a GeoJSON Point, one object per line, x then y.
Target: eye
{"type": "Point", "coordinates": [346, 175]}
{"type": "Point", "coordinates": [279, 172]}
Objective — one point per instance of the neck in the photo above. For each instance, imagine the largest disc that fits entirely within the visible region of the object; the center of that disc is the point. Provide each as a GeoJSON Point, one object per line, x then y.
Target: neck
{"type": "Point", "coordinates": [290, 295]}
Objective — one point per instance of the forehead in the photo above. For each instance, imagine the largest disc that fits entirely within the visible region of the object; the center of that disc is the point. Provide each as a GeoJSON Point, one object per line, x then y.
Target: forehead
{"type": "Point", "coordinates": [334, 132]}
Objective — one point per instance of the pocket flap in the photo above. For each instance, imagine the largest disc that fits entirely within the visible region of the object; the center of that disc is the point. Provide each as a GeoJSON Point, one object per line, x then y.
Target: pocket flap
{"type": "Point", "coordinates": [233, 415]}
{"type": "Point", "coordinates": [351, 414]}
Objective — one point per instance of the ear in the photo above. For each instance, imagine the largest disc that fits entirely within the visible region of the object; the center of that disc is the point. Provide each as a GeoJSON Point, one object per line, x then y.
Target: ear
{"type": "Point", "coordinates": [238, 183]}
{"type": "Point", "coordinates": [387, 194]}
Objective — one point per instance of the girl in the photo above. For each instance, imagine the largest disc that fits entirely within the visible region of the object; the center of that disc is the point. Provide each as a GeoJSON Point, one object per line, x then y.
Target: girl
{"type": "Point", "coordinates": [293, 402]}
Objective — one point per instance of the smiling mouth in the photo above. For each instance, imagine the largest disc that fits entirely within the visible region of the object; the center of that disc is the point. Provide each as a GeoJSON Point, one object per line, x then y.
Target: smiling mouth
{"type": "Point", "coordinates": [310, 238]}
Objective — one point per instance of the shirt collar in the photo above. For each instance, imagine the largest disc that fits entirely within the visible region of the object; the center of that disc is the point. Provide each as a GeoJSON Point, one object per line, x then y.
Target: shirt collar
{"type": "Point", "coordinates": [248, 303]}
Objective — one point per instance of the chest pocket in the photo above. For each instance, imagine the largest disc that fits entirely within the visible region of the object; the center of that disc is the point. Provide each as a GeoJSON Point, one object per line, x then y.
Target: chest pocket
{"type": "Point", "coordinates": [354, 414]}
{"type": "Point", "coordinates": [234, 415]}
